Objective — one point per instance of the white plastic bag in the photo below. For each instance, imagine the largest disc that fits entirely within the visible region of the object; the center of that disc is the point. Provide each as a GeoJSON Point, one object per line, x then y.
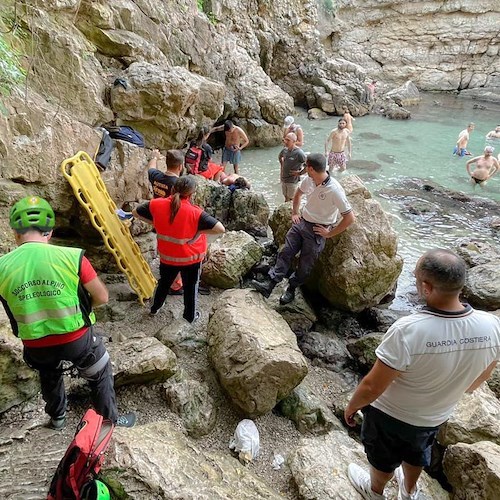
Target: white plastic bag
{"type": "Point", "coordinates": [246, 441]}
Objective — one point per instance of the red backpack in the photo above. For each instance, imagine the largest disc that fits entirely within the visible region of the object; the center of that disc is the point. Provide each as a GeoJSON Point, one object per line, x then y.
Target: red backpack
{"type": "Point", "coordinates": [83, 458]}
{"type": "Point", "coordinates": [192, 159]}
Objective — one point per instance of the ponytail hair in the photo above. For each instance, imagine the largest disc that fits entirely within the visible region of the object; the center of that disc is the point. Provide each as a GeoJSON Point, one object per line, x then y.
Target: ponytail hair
{"type": "Point", "coordinates": [201, 135]}
{"type": "Point", "coordinates": [183, 188]}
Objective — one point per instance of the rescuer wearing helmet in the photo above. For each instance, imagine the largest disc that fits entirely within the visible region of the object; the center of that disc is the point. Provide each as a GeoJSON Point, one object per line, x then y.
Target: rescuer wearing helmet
{"type": "Point", "coordinates": [48, 293]}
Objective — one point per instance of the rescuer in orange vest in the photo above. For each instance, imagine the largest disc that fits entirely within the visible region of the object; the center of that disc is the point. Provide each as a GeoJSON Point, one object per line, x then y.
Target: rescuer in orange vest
{"type": "Point", "coordinates": [181, 230]}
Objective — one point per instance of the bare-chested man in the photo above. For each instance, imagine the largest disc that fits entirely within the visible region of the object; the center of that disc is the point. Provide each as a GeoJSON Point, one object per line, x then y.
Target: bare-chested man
{"type": "Point", "coordinates": [463, 139]}
{"type": "Point", "coordinates": [236, 140]}
{"type": "Point", "coordinates": [335, 146]}
{"type": "Point", "coordinates": [486, 166]}
{"type": "Point", "coordinates": [348, 118]}
{"type": "Point", "coordinates": [494, 134]}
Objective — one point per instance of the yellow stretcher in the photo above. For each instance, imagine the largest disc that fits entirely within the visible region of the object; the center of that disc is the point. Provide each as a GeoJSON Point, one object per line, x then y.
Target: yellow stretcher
{"type": "Point", "coordinates": [89, 189]}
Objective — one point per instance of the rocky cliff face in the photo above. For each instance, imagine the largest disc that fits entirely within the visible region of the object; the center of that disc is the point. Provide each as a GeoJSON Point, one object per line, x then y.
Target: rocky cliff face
{"type": "Point", "coordinates": [451, 45]}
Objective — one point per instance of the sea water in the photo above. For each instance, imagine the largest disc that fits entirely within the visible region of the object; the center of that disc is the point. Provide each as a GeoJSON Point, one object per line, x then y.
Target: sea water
{"type": "Point", "coordinates": [417, 148]}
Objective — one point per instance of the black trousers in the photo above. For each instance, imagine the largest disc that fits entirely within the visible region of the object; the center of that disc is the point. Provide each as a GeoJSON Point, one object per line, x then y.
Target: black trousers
{"type": "Point", "coordinates": [90, 357]}
{"type": "Point", "coordinates": [190, 278]}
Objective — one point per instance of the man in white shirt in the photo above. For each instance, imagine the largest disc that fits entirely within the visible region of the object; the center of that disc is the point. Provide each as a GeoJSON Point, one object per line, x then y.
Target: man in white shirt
{"type": "Point", "coordinates": [425, 363]}
{"type": "Point", "coordinates": [326, 204]}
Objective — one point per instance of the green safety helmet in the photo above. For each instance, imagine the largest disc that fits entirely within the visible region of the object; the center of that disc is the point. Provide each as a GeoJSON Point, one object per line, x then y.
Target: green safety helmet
{"type": "Point", "coordinates": [95, 490]}
{"type": "Point", "coordinates": [32, 212]}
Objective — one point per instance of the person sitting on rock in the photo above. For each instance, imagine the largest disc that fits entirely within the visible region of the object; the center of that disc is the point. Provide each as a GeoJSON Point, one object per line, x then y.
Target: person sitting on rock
{"type": "Point", "coordinates": [198, 156]}
{"type": "Point", "coordinates": [289, 126]}
{"type": "Point", "coordinates": [425, 363]}
{"type": "Point", "coordinates": [327, 213]}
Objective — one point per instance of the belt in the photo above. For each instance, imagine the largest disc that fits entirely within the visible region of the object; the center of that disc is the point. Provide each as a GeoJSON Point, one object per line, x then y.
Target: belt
{"type": "Point", "coordinates": [316, 223]}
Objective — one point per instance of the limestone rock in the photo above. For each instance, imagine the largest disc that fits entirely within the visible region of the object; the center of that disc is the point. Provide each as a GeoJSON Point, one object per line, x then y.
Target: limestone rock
{"type": "Point", "coordinates": [359, 267]}
{"type": "Point", "coordinates": [476, 252]}
{"type": "Point", "coordinates": [179, 335]}
{"type": "Point", "coordinates": [395, 112]}
{"type": "Point", "coordinates": [308, 411]}
{"type": "Point", "coordinates": [482, 288]}
{"type": "Point", "coordinates": [156, 461]}
{"type": "Point", "coordinates": [316, 114]}
{"type": "Point", "coordinates": [141, 361]}
{"type": "Point", "coordinates": [18, 382]}
{"type": "Point", "coordinates": [363, 350]}
{"type": "Point", "coordinates": [473, 470]}
{"type": "Point", "coordinates": [298, 314]}
{"type": "Point", "coordinates": [248, 211]}
{"type": "Point", "coordinates": [327, 348]}
{"type": "Point", "coordinates": [253, 351]}
{"type": "Point", "coordinates": [405, 95]}
{"type": "Point", "coordinates": [494, 382]}
{"type": "Point", "coordinates": [192, 401]}
{"type": "Point", "coordinates": [475, 419]}
{"type": "Point", "coordinates": [229, 258]}
{"type": "Point", "coordinates": [187, 100]}
{"type": "Point", "coordinates": [319, 469]}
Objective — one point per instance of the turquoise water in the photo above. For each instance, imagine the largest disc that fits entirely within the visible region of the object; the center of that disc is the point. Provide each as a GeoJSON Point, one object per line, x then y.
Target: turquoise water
{"type": "Point", "coordinates": [416, 148]}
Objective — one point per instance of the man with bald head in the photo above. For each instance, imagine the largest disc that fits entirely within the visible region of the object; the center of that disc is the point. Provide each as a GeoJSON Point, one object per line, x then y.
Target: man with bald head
{"type": "Point", "coordinates": [485, 167]}
{"type": "Point", "coordinates": [425, 363]}
{"type": "Point", "coordinates": [292, 160]}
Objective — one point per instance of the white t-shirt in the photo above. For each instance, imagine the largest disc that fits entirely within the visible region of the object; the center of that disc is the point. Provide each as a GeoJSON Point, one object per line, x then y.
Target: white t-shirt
{"type": "Point", "coordinates": [324, 202]}
{"type": "Point", "coordinates": [440, 355]}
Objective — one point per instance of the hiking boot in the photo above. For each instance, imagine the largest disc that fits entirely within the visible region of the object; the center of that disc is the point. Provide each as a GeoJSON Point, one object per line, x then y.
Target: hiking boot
{"type": "Point", "coordinates": [126, 420]}
{"type": "Point", "coordinates": [288, 296]}
{"type": "Point", "coordinates": [179, 291]}
{"type": "Point", "coordinates": [402, 494]}
{"type": "Point", "coordinates": [360, 479]}
{"type": "Point", "coordinates": [264, 287]}
{"type": "Point", "coordinates": [58, 423]}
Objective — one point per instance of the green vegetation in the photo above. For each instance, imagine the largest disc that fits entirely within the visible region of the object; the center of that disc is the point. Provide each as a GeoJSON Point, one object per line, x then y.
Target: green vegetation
{"type": "Point", "coordinates": [11, 72]}
{"type": "Point", "coordinates": [204, 6]}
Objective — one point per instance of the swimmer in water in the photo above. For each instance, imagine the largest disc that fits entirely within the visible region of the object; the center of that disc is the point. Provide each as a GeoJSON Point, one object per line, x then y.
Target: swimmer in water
{"type": "Point", "coordinates": [463, 138]}
{"type": "Point", "coordinates": [486, 167]}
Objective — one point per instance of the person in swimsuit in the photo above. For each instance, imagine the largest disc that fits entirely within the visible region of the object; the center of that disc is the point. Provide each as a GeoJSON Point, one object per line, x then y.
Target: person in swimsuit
{"type": "Point", "coordinates": [463, 138]}
{"type": "Point", "coordinates": [336, 143]}
{"type": "Point", "coordinates": [486, 167]}
{"type": "Point", "coordinates": [236, 140]}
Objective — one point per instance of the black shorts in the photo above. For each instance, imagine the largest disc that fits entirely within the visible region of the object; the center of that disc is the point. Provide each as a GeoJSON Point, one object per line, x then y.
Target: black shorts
{"type": "Point", "coordinates": [389, 441]}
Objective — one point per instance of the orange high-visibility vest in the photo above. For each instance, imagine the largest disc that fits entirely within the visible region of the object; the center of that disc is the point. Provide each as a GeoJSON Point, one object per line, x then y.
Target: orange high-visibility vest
{"type": "Point", "coordinates": [174, 240]}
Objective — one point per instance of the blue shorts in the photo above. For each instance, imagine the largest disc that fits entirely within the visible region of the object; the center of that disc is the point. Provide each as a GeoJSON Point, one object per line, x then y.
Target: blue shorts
{"type": "Point", "coordinates": [460, 153]}
{"type": "Point", "coordinates": [389, 441]}
{"type": "Point", "coordinates": [231, 156]}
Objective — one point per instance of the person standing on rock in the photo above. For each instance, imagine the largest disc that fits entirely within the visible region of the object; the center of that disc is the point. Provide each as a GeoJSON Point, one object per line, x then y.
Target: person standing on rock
{"type": "Point", "coordinates": [48, 293]}
{"type": "Point", "coordinates": [486, 166]}
{"type": "Point", "coordinates": [292, 160]}
{"type": "Point", "coordinates": [425, 363]}
{"type": "Point", "coordinates": [181, 230]}
{"type": "Point", "coordinates": [162, 182]}
{"type": "Point", "coordinates": [462, 141]}
{"type": "Point", "coordinates": [289, 126]}
{"type": "Point", "coordinates": [335, 146]}
{"type": "Point", "coordinates": [326, 214]}
{"type": "Point", "coordinates": [235, 141]}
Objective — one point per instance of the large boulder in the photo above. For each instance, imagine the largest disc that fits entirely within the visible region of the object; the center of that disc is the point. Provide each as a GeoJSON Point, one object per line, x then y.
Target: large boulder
{"type": "Point", "coordinates": [18, 382]}
{"type": "Point", "coordinates": [319, 469]}
{"type": "Point", "coordinates": [156, 461]}
{"type": "Point", "coordinates": [476, 252]}
{"type": "Point", "coordinates": [363, 350]}
{"type": "Point", "coordinates": [482, 288]}
{"type": "Point", "coordinates": [186, 101]}
{"type": "Point", "coordinates": [405, 95]}
{"type": "Point", "coordinates": [229, 258]}
{"type": "Point", "coordinates": [253, 351]}
{"type": "Point", "coordinates": [473, 470]}
{"type": "Point", "coordinates": [142, 360]}
{"type": "Point", "coordinates": [474, 419]}
{"type": "Point", "coordinates": [359, 267]}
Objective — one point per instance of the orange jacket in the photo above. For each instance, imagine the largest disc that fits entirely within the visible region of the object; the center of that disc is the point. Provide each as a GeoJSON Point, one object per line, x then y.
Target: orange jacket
{"type": "Point", "coordinates": [174, 240]}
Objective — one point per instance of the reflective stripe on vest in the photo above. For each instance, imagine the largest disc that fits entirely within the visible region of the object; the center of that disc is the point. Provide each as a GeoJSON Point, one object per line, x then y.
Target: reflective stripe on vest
{"type": "Point", "coordinates": [47, 314]}
{"type": "Point", "coordinates": [191, 258]}
{"type": "Point", "coordinates": [177, 241]}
